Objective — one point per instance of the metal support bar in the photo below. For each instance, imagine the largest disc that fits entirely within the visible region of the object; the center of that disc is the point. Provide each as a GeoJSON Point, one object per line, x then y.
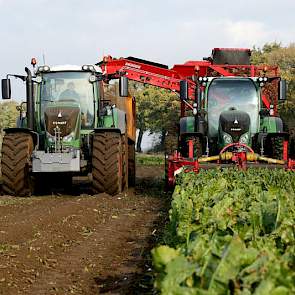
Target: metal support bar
{"type": "Point", "coordinates": [285, 150]}
{"type": "Point", "coordinates": [190, 148]}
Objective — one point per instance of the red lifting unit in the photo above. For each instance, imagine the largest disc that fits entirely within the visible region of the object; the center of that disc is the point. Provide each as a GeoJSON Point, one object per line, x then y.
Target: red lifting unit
{"type": "Point", "coordinates": [229, 109]}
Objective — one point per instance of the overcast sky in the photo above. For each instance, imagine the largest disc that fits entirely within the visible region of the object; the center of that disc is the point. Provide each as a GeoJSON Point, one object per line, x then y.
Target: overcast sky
{"type": "Point", "coordinates": [170, 32]}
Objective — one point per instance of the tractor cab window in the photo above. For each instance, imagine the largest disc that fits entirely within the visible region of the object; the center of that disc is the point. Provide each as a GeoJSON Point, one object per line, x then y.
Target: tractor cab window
{"type": "Point", "coordinates": [72, 87]}
{"type": "Point", "coordinates": [232, 93]}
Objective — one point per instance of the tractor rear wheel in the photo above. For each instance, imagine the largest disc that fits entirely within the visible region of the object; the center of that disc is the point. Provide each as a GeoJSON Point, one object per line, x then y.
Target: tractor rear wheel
{"type": "Point", "coordinates": [107, 163]}
{"type": "Point", "coordinates": [17, 149]}
{"type": "Point", "coordinates": [125, 171]}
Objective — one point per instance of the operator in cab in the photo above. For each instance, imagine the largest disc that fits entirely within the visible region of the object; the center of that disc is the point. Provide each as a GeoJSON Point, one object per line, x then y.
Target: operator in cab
{"type": "Point", "coordinates": [70, 93]}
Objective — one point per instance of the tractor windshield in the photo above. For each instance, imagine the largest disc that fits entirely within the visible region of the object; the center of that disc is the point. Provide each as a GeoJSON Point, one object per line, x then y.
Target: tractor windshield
{"type": "Point", "coordinates": [69, 87]}
{"type": "Point", "coordinates": [232, 93]}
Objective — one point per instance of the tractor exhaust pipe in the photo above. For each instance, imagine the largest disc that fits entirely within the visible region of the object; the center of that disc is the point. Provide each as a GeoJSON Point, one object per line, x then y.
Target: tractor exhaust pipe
{"type": "Point", "coordinates": [30, 99]}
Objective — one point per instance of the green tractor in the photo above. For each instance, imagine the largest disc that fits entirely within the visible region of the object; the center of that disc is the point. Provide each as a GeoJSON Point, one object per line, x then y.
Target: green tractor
{"type": "Point", "coordinates": [235, 107]}
{"type": "Point", "coordinates": [69, 128]}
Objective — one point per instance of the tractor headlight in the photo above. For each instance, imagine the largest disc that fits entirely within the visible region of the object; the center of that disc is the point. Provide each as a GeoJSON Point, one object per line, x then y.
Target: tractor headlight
{"type": "Point", "coordinates": [244, 138]}
{"type": "Point", "coordinates": [43, 69]}
{"type": "Point", "coordinates": [88, 68]}
{"type": "Point", "coordinates": [92, 78]}
{"type": "Point", "coordinates": [227, 138]}
{"type": "Point", "coordinates": [69, 137]}
{"type": "Point", "coordinates": [46, 68]}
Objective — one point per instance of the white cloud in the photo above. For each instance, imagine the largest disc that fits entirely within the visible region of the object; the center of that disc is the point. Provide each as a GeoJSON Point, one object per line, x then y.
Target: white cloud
{"type": "Point", "coordinates": [77, 32]}
{"type": "Point", "coordinates": [247, 32]}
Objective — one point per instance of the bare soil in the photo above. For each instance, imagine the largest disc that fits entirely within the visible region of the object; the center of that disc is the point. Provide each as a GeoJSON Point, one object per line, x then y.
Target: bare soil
{"type": "Point", "coordinates": [82, 244]}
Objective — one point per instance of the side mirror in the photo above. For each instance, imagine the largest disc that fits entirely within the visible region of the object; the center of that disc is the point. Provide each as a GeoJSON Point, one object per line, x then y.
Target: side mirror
{"type": "Point", "coordinates": [123, 86]}
{"type": "Point", "coordinates": [183, 90]}
{"type": "Point", "coordinates": [283, 90]}
{"type": "Point", "coordinates": [6, 89]}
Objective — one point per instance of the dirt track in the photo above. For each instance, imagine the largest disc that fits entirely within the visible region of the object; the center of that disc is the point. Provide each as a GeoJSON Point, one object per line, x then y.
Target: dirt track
{"type": "Point", "coordinates": [81, 244]}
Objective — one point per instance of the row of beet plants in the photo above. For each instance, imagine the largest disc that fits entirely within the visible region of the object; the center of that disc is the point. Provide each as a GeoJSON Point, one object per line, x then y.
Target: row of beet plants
{"type": "Point", "coordinates": [230, 232]}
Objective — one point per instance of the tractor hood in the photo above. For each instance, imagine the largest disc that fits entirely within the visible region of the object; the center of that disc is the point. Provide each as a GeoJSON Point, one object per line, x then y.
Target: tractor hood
{"type": "Point", "coordinates": [235, 123]}
{"type": "Point", "coordinates": [63, 117]}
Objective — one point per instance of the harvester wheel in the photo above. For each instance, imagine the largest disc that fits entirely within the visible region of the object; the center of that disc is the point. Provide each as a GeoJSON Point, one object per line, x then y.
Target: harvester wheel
{"type": "Point", "coordinates": [171, 141]}
{"type": "Point", "coordinates": [131, 163]}
{"type": "Point", "coordinates": [197, 144]}
{"type": "Point", "coordinates": [17, 149]}
{"type": "Point", "coordinates": [198, 147]}
{"type": "Point", "coordinates": [277, 147]}
{"type": "Point", "coordinates": [107, 163]}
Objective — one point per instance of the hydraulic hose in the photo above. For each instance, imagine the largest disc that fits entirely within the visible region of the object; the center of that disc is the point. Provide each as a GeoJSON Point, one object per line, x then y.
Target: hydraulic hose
{"type": "Point", "coordinates": [270, 160]}
{"type": "Point", "coordinates": [251, 157]}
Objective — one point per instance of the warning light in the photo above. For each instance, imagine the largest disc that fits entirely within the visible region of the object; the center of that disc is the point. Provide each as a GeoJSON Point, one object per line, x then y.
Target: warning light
{"type": "Point", "coordinates": [33, 61]}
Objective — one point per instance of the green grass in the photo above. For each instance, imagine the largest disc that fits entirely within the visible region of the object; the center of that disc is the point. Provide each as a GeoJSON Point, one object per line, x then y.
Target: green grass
{"type": "Point", "coordinates": [150, 159]}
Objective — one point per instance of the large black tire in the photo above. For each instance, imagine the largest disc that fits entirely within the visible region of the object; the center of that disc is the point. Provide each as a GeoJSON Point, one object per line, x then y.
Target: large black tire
{"type": "Point", "coordinates": [171, 140]}
{"type": "Point", "coordinates": [198, 152]}
{"type": "Point", "coordinates": [107, 163]}
{"type": "Point", "coordinates": [198, 147]}
{"type": "Point", "coordinates": [17, 149]}
{"type": "Point", "coordinates": [277, 148]}
{"type": "Point", "coordinates": [124, 162]}
{"type": "Point", "coordinates": [131, 164]}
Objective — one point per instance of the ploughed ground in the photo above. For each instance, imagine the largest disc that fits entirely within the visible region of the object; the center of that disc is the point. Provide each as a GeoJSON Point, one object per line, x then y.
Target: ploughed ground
{"type": "Point", "coordinates": [82, 244]}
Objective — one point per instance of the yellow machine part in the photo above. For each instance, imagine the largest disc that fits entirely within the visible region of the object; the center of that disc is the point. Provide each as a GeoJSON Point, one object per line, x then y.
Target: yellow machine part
{"type": "Point", "coordinates": [127, 104]}
{"type": "Point", "coordinates": [250, 157]}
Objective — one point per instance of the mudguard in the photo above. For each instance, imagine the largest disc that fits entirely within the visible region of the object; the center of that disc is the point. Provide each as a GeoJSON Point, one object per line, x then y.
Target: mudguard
{"type": "Point", "coordinates": [34, 134]}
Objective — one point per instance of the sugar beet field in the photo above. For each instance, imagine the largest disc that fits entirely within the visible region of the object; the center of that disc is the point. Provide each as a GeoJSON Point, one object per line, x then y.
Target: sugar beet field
{"type": "Point", "coordinates": [219, 232]}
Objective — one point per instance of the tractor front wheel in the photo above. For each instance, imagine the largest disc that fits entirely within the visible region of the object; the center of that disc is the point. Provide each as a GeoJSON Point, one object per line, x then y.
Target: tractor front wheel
{"type": "Point", "coordinates": [17, 149]}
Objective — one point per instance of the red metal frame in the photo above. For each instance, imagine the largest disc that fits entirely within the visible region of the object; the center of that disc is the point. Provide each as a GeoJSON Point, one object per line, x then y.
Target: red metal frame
{"type": "Point", "coordinates": [239, 157]}
{"type": "Point", "coordinates": [236, 145]}
{"type": "Point", "coordinates": [190, 71]}
{"type": "Point", "coordinates": [291, 165]}
{"type": "Point", "coordinates": [176, 162]}
{"type": "Point", "coordinates": [285, 150]}
{"type": "Point", "coordinates": [141, 72]}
